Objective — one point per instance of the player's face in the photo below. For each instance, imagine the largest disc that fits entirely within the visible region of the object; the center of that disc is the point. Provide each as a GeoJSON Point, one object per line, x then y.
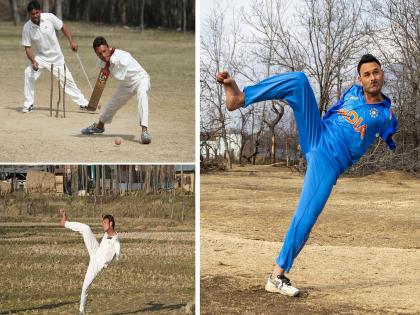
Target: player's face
{"type": "Point", "coordinates": [103, 52]}
{"type": "Point", "coordinates": [35, 16]}
{"type": "Point", "coordinates": [106, 225]}
{"type": "Point", "coordinates": [371, 78]}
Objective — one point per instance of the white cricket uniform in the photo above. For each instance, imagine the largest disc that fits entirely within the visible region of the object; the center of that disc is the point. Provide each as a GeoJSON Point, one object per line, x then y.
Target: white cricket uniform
{"type": "Point", "coordinates": [101, 255]}
{"type": "Point", "coordinates": [133, 80]}
{"type": "Point", "coordinates": [46, 49]}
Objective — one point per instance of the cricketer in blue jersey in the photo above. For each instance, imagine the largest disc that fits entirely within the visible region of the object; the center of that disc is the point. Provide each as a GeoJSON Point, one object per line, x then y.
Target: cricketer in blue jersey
{"type": "Point", "coordinates": [330, 144]}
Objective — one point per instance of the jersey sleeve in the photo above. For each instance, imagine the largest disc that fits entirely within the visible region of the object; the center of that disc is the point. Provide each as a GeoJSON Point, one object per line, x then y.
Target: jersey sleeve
{"type": "Point", "coordinates": [389, 131]}
{"type": "Point", "coordinates": [117, 249]}
{"type": "Point", "coordinates": [56, 22]}
{"type": "Point", "coordinates": [333, 108]}
{"type": "Point", "coordinates": [121, 63]}
{"type": "Point", "coordinates": [26, 39]}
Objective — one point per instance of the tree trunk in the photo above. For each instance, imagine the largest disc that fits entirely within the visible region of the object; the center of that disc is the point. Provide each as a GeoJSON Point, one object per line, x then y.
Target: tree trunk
{"type": "Point", "coordinates": [130, 178]}
{"type": "Point", "coordinates": [124, 12]}
{"type": "Point", "coordinates": [59, 9]}
{"type": "Point", "coordinates": [103, 180]}
{"type": "Point", "coordinates": [147, 179]}
{"type": "Point", "coordinates": [142, 15]}
{"type": "Point", "coordinates": [46, 6]}
{"type": "Point", "coordinates": [97, 180]}
{"type": "Point", "coordinates": [74, 179]}
{"type": "Point", "coordinates": [86, 13]}
{"type": "Point", "coordinates": [15, 13]}
{"type": "Point", "coordinates": [184, 14]}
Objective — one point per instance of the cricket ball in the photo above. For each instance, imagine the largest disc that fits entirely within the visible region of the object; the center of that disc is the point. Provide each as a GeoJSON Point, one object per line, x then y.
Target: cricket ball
{"type": "Point", "coordinates": [117, 140]}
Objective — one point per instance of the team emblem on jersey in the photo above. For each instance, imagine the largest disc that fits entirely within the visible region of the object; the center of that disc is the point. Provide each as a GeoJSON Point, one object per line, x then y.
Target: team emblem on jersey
{"type": "Point", "coordinates": [373, 112]}
{"type": "Point", "coordinates": [353, 98]}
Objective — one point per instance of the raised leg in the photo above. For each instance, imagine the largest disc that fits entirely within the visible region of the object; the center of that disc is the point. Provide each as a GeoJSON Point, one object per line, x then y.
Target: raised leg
{"type": "Point", "coordinates": [89, 238]}
{"type": "Point", "coordinates": [294, 88]}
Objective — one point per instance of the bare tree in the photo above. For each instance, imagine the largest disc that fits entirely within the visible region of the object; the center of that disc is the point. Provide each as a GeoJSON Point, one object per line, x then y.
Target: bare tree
{"type": "Point", "coordinates": [275, 51]}
{"type": "Point", "coordinates": [333, 35]}
{"type": "Point", "coordinates": [218, 48]}
{"type": "Point", "coordinates": [278, 109]}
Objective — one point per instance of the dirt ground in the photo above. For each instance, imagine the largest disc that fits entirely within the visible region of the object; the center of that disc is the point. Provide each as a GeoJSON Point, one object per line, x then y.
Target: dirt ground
{"type": "Point", "coordinates": [43, 267]}
{"type": "Point", "coordinates": [168, 57]}
{"type": "Point", "coordinates": [362, 256]}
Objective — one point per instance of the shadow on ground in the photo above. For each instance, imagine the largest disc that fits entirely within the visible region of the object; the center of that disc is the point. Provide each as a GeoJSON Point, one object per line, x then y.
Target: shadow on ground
{"type": "Point", "coordinates": [43, 307]}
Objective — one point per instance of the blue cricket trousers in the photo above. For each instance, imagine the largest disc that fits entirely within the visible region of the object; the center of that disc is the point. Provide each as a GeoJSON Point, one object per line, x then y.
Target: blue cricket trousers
{"type": "Point", "coordinates": [321, 173]}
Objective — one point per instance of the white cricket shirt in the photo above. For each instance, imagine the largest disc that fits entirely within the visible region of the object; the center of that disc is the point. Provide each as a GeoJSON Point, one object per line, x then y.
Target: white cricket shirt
{"type": "Point", "coordinates": [109, 247]}
{"type": "Point", "coordinates": [124, 67]}
{"type": "Point", "coordinates": [43, 38]}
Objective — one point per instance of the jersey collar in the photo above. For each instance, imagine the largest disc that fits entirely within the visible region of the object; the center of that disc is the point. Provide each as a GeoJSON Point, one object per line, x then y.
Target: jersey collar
{"type": "Point", "coordinates": [41, 19]}
{"type": "Point", "coordinates": [386, 102]}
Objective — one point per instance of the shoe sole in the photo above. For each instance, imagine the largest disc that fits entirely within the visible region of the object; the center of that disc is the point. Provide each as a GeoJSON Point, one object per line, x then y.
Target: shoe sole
{"type": "Point", "coordinates": [272, 289]}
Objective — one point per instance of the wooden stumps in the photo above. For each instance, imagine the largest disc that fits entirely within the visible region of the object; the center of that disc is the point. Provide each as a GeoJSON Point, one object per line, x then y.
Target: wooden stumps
{"type": "Point", "coordinates": [59, 93]}
{"type": "Point", "coordinates": [59, 90]}
{"type": "Point", "coordinates": [51, 88]}
{"type": "Point", "coordinates": [64, 91]}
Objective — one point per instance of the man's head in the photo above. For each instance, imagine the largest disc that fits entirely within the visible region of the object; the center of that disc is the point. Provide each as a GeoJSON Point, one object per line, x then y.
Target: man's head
{"type": "Point", "coordinates": [371, 76]}
{"type": "Point", "coordinates": [108, 222]}
{"type": "Point", "coordinates": [102, 49]}
{"type": "Point", "coordinates": [34, 11]}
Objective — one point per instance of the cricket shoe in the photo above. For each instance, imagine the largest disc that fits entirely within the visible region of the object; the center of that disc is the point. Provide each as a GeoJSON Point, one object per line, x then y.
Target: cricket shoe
{"type": "Point", "coordinates": [84, 108]}
{"type": "Point", "coordinates": [92, 129]}
{"type": "Point", "coordinates": [27, 109]}
{"type": "Point", "coordinates": [145, 137]}
{"type": "Point", "coordinates": [281, 285]}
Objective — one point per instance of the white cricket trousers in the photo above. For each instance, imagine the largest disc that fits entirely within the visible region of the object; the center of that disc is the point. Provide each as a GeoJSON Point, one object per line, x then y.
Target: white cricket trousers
{"type": "Point", "coordinates": [121, 96]}
{"type": "Point", "coordinates": [94, 267]}
{"type": "Point", "coordinates": [71, 88]}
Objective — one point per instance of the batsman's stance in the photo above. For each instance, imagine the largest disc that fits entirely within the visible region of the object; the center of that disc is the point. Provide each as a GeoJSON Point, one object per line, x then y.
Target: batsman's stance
{"type": "Point", "coordinates": [330, 144]}
{"type": "Point", "coordinates": [39, 34]}
{"type": "Point", "coordinates": [134, 80]}
{"type": "Point", "coordinates": [101, 255]}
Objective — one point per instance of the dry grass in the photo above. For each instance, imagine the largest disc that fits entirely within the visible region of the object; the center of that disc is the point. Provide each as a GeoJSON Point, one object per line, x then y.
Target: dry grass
{"type": "Point", "coordinates": [44, 267]}
{"type": "Point", "coordinates": [361, 258]}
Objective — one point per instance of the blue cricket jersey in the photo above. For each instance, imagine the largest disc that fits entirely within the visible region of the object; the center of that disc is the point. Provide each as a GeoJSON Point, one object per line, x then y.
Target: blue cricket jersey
{"type": "Point", "coordinates": [352, 126]}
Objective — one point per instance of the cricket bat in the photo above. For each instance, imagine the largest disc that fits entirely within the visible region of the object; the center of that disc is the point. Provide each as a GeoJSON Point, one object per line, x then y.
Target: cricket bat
{"type": "Point", "coordinates": [97, 90]}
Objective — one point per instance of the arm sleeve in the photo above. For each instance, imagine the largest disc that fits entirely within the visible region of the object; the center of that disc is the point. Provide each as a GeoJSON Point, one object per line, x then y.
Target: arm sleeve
{"type": "Point", "coordinates": [117, 249]}
{"type": "Point", "coordinates": [121, 63]}
{"type": "Point", "coordinates": [334, 108]}
{"type": "Point", "coordinates": [56, 22]}
{"type": "Point", "coordinates": [389, 131]}
{"type": "Point", "coordinates": [26, 39]}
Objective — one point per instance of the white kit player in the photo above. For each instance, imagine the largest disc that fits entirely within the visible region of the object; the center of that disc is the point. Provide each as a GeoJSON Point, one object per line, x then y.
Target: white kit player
{"type": "Point", "coordinates": [43, 50]}
{"type": "Point", "coordinates": [134, 80]}
{"type": "Point", "coordinates": [101, 255]}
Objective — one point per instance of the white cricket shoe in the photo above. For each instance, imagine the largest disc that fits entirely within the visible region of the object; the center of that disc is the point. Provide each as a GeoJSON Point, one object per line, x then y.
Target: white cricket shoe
{"type": "Point", "coordinates": [27, 109]}
{"type": "Point", "coordinates": [281, 285]}
{"type": "Point", "coordinates": [145, 137]}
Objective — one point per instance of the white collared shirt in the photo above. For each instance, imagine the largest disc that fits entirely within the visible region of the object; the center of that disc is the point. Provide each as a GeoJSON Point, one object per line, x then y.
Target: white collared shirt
{"type": "Point", "coordinates": [124, 67]}
{"type": "Point", "coordinates": [108, 249]}
{"type": "Point", "coordinates": [43, 38]}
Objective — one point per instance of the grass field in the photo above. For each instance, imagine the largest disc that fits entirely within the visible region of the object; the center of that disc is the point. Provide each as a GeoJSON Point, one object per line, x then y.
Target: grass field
{"type": "Point", "coordinates": [168, 57]}
{"type": "Point", "coordinates": [362, 256]}
{"type": "Point", "coordinates": [43, 265]}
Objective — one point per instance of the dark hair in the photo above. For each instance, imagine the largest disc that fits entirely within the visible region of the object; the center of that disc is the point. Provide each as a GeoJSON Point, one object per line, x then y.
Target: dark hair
{"type": "Point", "coordinates": [366, 59]}
{"type": "Point", "coordinates": [33, 5]}
{"type": "Point", "coordinates": [110, 219]}
{"type": "Point", "coordinates": [98, 41]}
